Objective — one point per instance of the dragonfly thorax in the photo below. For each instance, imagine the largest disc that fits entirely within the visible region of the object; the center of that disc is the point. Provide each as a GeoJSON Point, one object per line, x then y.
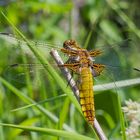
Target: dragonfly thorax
{"type": "Point", "coordinates": [84, 58]}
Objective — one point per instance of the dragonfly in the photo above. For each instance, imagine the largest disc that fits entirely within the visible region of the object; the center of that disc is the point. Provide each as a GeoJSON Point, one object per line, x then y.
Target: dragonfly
{"type": "Point", "coordinates": [81, 62]}
{"type": "Point", "coordinates": [85, 64]}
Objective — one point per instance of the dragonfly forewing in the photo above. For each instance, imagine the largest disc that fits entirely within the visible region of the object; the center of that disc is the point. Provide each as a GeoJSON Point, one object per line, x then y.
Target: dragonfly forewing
{"type": "Point", "coordinates": [116, 57]}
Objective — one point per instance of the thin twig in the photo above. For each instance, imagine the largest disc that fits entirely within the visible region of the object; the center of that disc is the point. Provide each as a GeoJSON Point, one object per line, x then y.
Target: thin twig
{"type": "Point", "coordinates": [75, 90]}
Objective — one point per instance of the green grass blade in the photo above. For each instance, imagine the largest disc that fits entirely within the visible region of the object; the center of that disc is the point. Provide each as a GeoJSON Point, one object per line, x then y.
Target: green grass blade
{"type": "Point", "coordinates": [15, 132]}
{"type": "Point", "coordinates": [1, 133]}
{"type": "Point", "coordinates": [124, 17]}
{"type": "Point", "coordinates": [88, 39]}
{"type": "Point", "coordinates": [117, 84]}
{"type": "Point", "coordinates": [122, 122]}
{"type": "Point", "coordinates": [28, 100]}
{"type": "Point", "coordinates": [40, 102]}
{"type": "Point", "coordinates": [53, 132]}
{"type": "Point", "coordinates": [23, 97]}
{"type": "Point", "coordinates": [27, 76]}
{"type": "Point", "coordinates": [63, 113]}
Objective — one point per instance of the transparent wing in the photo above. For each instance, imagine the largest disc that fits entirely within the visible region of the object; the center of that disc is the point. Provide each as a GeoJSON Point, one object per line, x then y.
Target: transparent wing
{"type": "Point", "coordinates": [14, 40]}
{"type": "Point", "coordinates": [121, 61]}
{"type": "Point", "coordinates": [20, 73]}
{"type": "Point", "coordinates": [16, 70]}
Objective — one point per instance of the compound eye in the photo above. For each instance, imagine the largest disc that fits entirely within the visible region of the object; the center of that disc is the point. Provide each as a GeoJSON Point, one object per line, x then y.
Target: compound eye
{"type": "Point", "coordinates": [72, 42]}
{"type": "Point", "coordinates": [66, 43]}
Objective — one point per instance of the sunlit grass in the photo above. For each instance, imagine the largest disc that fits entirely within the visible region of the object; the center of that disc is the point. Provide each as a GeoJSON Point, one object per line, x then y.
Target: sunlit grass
{"type": "Point", "coordinates": [38, 106]}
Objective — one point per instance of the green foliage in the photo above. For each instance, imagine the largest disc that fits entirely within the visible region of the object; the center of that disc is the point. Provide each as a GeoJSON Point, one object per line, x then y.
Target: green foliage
{"type": "Point", "coordinates": [40, 100]}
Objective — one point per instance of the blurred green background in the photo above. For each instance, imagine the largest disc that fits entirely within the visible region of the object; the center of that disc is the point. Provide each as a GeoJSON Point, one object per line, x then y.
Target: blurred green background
{"type": "Point", "coordinates": [104, 23]}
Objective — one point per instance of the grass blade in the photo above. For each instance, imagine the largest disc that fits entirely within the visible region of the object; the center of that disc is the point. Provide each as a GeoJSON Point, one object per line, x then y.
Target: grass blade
{"type": "Point", "coordinates": [53, 132]}
{"type": "Point", "coordinates": [28, 100]}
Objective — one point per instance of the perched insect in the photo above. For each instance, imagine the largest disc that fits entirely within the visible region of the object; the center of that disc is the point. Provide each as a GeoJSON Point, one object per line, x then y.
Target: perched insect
{"type": "Point", "coordinates": [81, 62]}
{"type": "Point", "coordinates": [84, 63]}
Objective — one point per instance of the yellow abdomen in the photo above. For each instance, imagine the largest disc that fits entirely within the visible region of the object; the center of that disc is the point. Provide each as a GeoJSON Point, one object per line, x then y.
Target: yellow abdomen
{"type": "Point", "coordinates": [86, 94]}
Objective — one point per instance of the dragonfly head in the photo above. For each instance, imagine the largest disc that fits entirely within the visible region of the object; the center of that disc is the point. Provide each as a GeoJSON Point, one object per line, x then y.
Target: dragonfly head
{"type": "Point", "coordinates": [71, 45]}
